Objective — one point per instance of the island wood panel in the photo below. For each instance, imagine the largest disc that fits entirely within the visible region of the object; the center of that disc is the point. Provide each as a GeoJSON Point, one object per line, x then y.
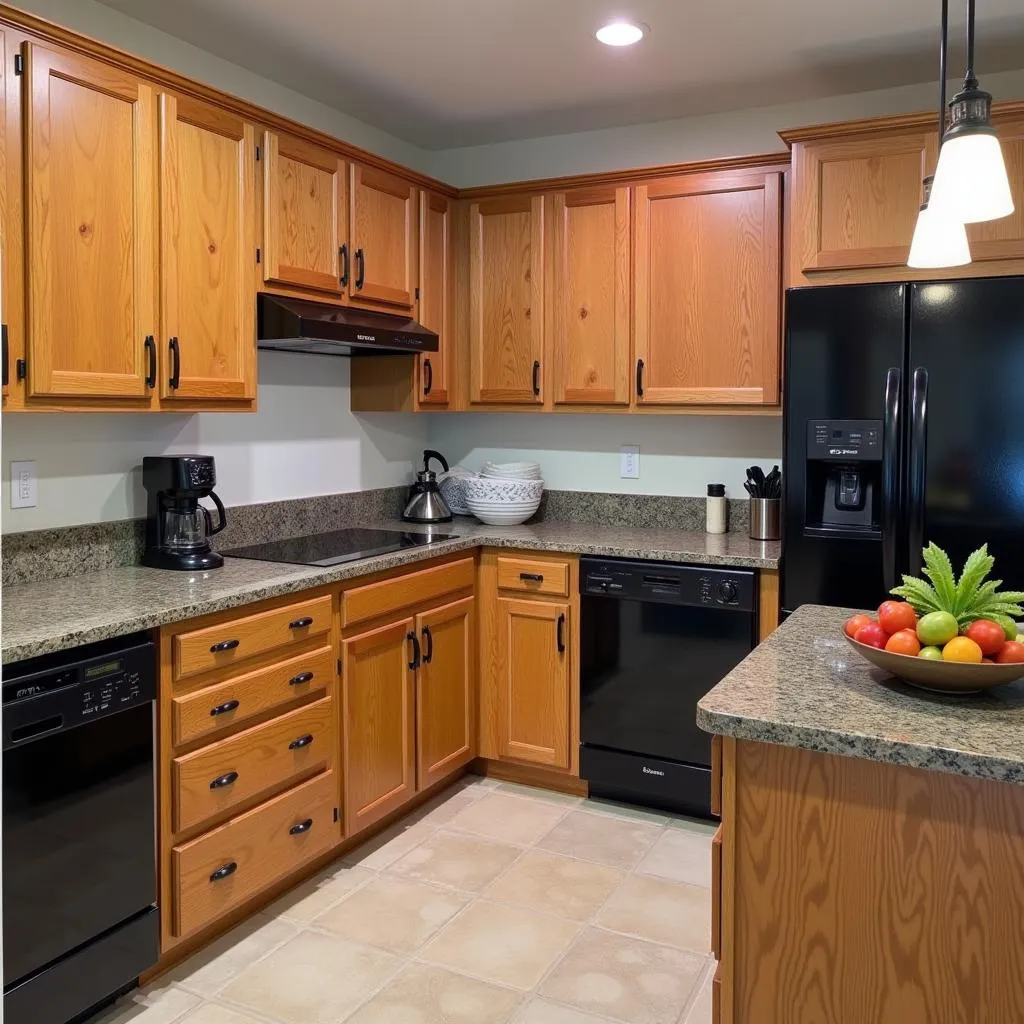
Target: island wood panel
{"type": "Point", "coordinates": [208, 243]}
{"type": "Point", "coordinates": [305, 214]}
{"type": "Point", "coordinates": [506, 300]}
{"type": "Point", "coordinates": [707, 289]}
{"type": "Point", "coordinates": [436, 297]}
{"type": "Point", "coordinates": [768, 608]}
{"type": "Point", "coordinates": [868, 893]}
{"type": "Point", "coordinates": [589, 308]}
{"type": "Point", "coordinates": [90, 138]}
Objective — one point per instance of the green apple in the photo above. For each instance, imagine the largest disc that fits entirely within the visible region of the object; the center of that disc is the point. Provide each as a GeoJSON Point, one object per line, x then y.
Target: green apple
{"type": "Point", "coordinates": [936, 629]}
{"type": "Point", "coordinates": [930, 654]}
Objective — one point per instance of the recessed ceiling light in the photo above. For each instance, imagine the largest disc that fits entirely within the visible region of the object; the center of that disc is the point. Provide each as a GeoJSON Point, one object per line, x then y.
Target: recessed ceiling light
{"type": "Point", "coordinates": [620, 33]}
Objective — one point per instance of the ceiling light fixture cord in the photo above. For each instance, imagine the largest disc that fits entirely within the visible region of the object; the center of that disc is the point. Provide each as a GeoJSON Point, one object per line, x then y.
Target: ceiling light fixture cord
{"type": "Point", "coordinates": [970, 82]}
{"type": "Point", "coordinates": [943, 42]}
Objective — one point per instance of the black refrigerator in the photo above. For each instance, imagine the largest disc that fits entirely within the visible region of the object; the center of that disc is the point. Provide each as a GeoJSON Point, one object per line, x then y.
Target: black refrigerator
{"type": "Point", "coordinates": [904, 424]}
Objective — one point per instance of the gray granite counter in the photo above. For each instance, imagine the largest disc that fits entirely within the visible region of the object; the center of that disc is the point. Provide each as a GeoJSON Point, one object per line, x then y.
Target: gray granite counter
{"type": "Point", "coordinates": [52, 615]}
{"type": "Point", "coordinates": [806, 687]}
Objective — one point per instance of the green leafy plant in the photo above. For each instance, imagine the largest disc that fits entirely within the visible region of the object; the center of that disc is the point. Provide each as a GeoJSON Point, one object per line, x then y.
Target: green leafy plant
{"type": "Point", "coordinates": [970, 598]}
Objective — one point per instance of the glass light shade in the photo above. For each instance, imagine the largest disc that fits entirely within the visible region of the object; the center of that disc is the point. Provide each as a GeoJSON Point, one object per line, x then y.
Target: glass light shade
{"type": "Point", "coordinates": [620, 33]}
{"type": "Point", "coordinates": [939, 240]}
{"type": "Point", "coordinates": [970, 181]}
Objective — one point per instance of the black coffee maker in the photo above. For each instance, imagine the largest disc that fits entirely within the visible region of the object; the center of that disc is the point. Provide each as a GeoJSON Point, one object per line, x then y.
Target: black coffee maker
{"type": "Point", "coordinates": [178, 528]}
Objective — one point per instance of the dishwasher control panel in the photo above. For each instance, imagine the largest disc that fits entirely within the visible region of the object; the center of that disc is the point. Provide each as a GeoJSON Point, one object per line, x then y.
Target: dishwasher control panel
{"type": "Point", "coordinates": [669, 583]}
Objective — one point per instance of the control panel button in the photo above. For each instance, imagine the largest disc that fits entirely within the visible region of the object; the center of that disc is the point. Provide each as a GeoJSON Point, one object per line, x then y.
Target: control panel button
{"type": "Point", "coordinates": [728, 592]}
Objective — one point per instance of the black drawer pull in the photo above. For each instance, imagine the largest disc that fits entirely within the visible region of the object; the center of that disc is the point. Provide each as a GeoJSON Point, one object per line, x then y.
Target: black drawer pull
{"type": "Point", "coordinates": [361, 269]}
{"type": "Point", "coordinates": [428, 377]}
{"type": "Point", "coordinates": [532, 577]}
{"type": "Point", "coordinates": [343, 253]}
{"type": "Point", "coordinates": [302, 677]}
{"type": "Point", "coordinates": [225, 871]}
{"type": "Point", "coordinates": [174, 381]}
{"type": "Point", "coordinates": [224, 780]}
{"type": "Point", "coordinates": [224, 645]}
{"type": "Point", "coordinates": [223, 709]}
{"type": "Point", "coordinates": [428, 645]}
{"type": "Point", "coordinates": [536, 376]}
{"type": "Point", "coordinates": [306, 620]}
{"type": "Point", "coordinates": [302, 826]}
{"type": "Point", "coordinates": [560, 634]}
{"type": "Point", "coordinates": [302, 741]}
{"type": "Point", "coordinates": [150, 346]}
{"type": "Point", "coordinates": [414, 662]}
{"type": "Point", "coordinates": [639, 378]}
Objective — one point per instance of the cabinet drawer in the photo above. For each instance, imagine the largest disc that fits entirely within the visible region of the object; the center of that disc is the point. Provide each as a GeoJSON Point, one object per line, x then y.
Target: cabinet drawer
{"type": "Point", "coordinates": [376, 599]}
{"type": "Point", "coordinates": [230, 642]}
{"type": "Point", "coordinates": [251, 852]}
{"type": "Point", "coordinates": [531, 577]}
{"type": "Point", "coordinates": [217, 778]}
{"type": "Point", "coordinates": [213, 708]}
{"type": "Point", "coordinates": [716, 894]}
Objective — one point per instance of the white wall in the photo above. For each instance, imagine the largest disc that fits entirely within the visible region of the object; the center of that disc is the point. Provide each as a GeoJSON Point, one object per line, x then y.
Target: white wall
{"type": "Point", "coordinates": [303, 441]}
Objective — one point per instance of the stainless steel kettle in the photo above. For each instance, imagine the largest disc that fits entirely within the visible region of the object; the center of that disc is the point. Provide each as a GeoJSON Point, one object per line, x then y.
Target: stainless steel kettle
{"type": "Point", "coordinates": [425, 503]}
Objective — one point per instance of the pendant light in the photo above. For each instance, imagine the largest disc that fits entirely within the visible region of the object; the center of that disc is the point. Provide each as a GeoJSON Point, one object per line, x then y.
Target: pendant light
{"type": "Point", "coordinates": [970, 180]}
{"type": "Point", "coordinates": [940, 240]}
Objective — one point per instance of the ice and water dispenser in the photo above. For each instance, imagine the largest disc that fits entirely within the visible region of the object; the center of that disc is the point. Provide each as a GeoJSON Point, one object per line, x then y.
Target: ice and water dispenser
{"type": "Point", "coordinates": [844, 477]}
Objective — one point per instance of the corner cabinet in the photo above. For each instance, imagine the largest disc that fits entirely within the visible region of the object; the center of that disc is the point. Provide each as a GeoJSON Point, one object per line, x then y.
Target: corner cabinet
{"type": "Point", "coordinates": [436, 297]}
{"type": "Point", "coordinates": [707, 289]}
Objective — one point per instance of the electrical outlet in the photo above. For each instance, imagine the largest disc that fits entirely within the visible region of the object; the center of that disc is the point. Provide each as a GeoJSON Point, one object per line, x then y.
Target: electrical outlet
{"type": "Point", "coordinates": [24, 488]}
{"type": "Point", "coordinates": [630, 468]}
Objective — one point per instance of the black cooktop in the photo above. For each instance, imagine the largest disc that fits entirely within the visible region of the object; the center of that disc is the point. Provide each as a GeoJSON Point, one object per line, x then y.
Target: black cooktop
{"type": "Point", "coordinates": [337, 546]}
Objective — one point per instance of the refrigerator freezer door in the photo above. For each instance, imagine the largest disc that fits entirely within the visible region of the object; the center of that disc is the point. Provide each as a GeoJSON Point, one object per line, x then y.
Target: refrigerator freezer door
{"type": "Point", "coordinates": [969, 336]}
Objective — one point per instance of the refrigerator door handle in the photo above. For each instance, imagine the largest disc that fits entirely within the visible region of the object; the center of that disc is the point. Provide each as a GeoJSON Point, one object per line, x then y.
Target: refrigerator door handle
{"type": "Point", "coordinates": [890, 475]}
{"type": "Point", "coordinates": [918, 467]}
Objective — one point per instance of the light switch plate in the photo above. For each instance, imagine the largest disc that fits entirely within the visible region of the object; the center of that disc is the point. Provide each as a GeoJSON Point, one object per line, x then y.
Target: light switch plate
{"type": "Point", "coordinates": [630, 469]}
{"type": "Point", "coordinates": [24, 485]}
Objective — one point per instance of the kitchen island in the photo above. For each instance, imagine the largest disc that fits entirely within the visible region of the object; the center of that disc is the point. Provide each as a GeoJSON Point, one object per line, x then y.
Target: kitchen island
{"type": "Point", "coordinates": [870, 864]}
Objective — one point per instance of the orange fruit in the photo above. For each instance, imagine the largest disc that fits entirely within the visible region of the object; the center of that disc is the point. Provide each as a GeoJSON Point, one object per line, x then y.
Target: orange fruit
{"type": "Point", "coordinates": [962, 649]}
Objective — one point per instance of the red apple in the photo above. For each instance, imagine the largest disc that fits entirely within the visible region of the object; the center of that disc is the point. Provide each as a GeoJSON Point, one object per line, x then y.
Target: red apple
{"type": "Point", "coordinates": [872, 635]}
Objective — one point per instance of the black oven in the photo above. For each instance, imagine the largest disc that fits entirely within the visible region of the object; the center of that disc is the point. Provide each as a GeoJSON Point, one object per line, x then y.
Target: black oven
{"type": "Point", "coordinates": [79, 825]}
{"type": "Point", "coordinates": [655, 637]}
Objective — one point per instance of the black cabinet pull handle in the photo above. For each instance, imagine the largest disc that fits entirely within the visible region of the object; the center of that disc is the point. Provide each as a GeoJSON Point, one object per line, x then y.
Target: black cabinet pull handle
{"type": "Point", "coordinates": [560, 634]}
{"type": "Point", "coordinates": [411, 636]}
{"type": "Point", "coordinates": [223, 709]}
{"type": "Point", "coordinates": [306, 620]}
{"type": "Point", "coordinates": [302, 826]}
{"type": "Point", "coordinates": [225, 871]}
{"type": "Point", "coordinates": [536, 376]}
{"type": "Point", "coordinates": [639, 378]}
{"type": "Point", "coordinates": [224, 780]}
{"type": "Point", "coordinates": [428, 376]}
{"type": "Point", "coordinates": [302, 677]}
{"type": "Point", "coordinates": [343, 253]}
{"type": "Point", "coordinates": [175, 379]}
{"type": "Point", "coordinates": [224, 645]}
{"type": "Point", "coordinates": [150, 346]}
{"type": "Point", "coordinates": [360, 268]}
{"type": "Point", "coordinates": [302, 741]}
{"type": "Point", "coordinates": [428, 643]}
{"type": "Point", "coordinates": [6, 370]}
{"type": "Point", "coordinates": [532, 577]}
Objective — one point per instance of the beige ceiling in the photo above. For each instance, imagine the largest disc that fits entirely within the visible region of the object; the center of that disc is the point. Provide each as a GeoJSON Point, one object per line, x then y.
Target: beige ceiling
{"type": "Point", "coordinates": [445, 73]}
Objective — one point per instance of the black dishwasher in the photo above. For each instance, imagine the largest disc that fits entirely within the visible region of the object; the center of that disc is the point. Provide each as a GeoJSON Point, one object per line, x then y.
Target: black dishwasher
{"type": "Point", "coordinates": [79, 828]}
{"type": "Point", "coordinates": [655, 637]}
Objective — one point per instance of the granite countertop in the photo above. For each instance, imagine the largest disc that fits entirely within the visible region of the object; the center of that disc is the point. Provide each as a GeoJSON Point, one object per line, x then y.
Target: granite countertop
{"type": "Point", "coordinates": [806, 687]}
{"type": "Point", "coordinates": [53, 615]}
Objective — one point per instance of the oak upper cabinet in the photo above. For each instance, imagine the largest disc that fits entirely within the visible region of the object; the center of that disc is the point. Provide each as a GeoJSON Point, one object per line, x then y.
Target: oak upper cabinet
{"type": "Point", "coordinates": [382, 229]}
{"type": "Point", "coordinates": [506, 300]}
{"type": "Point", "coordinates": [305, 234]}
{"type": "Point", "coordinates": [91, 221]}
{"type": "Point", "coordinates": [207, 248]}
{"type": "Point", "coordinates": [1003, 239]}
{"type": "Point", "coordinates": [379, 722]}
{"type": "Point", "coordinates": [707, 289]}
{"type": "Point", "coordinates": [445, 685]}
{"type": "Point", "coordinates": [436, 296]}
{"type": "Point", "coordinates": [589, 282]}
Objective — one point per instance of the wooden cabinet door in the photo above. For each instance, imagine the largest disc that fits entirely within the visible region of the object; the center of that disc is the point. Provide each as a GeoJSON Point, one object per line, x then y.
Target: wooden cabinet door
{"type": "Point", "coordinates": [590, 295]}
{"type": "Point", "coordinates": [1004, 238]}
{"type": "Point", "coordinates": [378, 720]}
{"type": "Point", "coordinates": [534, 691]}
{"type": "Point", "coordinates": [506, 300]}
{"type": "Point", "coordinates": [382, 228]}
{"type": "Point", "coordinates": [444, 691]}
{"type": "Point", "coordinates": [304, 216]}
{"type": "Point", "coordinates": [90, 132]}
{"type": "Point", "coordinates": [208, 299]}
{"type": "Point", "coordinates": [707, 285]}
{"type": "Point", "coordinates": [436, 296]}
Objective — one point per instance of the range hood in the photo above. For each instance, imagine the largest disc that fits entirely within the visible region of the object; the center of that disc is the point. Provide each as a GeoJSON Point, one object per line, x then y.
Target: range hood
{"type": "Point", "coordinates": [297, 325]}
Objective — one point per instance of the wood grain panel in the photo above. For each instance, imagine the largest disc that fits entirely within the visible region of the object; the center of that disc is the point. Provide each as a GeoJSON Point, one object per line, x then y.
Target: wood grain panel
{"type": "Point", "coordinates": [716, 776]}
{"type": "Point", "coordinates": [445, 690]}
{"type": "Point", "coordinates": [304, 192]}
{"type": "Point", "coordinates": [91, 225]}
{"type": "Point", "coordinates": [207, 183]}
{"type": "Point", "coordinates": [768, 606]}
{"type": "Point", "coordinates": [506, 300]}
{"type": "Point", "coordinates": [436, 296]}
{"type": "Point", "coordinates": [1004, 238]}
{"type": "Point", "coordinates": [590, 296]}
{"type": "Point", "coordinates": [379, 723]}
{"type": "Point", "coordinates": [716, 894]}
{"type": "Point", "coordinates": [372, 600]}
{"type": "Point", "coordinates": [874, 894]}
{"type": "Point", "coordinates": [519, 574]}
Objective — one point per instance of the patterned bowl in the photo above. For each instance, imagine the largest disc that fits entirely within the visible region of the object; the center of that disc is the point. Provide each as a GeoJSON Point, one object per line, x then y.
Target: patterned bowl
{"type": "Point", "coordinates": [453, 489]}
{"type": "Point", "coordinates": [500, 502]}
{"type": "Point", "coordinates": [512, 470]}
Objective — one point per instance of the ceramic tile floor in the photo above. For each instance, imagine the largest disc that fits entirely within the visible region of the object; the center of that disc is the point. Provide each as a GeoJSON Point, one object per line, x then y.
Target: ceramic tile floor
{"type": "Point", "coordinates": [493, 904]}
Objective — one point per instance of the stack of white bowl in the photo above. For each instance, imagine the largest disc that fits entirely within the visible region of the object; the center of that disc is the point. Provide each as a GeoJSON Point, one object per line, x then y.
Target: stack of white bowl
{"type": "Point", "coordinates": [505, 494]}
